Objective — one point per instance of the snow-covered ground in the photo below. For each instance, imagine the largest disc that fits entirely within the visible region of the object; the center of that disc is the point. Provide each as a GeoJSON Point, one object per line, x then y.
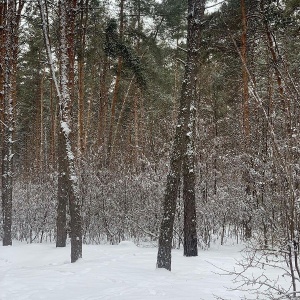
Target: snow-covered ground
{"type": "Point", "coordinates": [124, 271]}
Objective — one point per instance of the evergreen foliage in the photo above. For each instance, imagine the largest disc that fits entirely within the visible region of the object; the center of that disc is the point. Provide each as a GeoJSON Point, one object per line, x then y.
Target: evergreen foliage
{"type": "Point", "coordinates": [116, 47]}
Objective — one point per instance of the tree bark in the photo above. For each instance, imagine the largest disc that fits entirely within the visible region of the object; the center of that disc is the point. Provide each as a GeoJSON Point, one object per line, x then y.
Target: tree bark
{"type": "Point", "coordinates": [246, 113]}
{"type": "Point", "coordinates": [180, 146]}
{"type": "Point", "coordinates": [2, 66]}
{"type": "Point", "coordinates": [116, 91]}
{"type": "Point", "coordinates": [82, 36]}
{"type": "Point", "coordinates": [103, 104]}
{"type": "Point", "coordinates": [246, 121]}
{"type": "Point", "coordinates": [62, 193]}
{"type": "Point", "coordinates": [64, 93]}
{"type": "Point", "coordinates": [10, 19]}
{"type": "Point", "coordinates": [67, 91]}
{"type": "Point", "coordinates": [189, 200]}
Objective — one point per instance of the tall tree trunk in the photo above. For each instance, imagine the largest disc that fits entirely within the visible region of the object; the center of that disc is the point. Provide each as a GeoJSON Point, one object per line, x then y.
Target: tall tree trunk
{"type": "Point", "coordinates": [39, 134]}
{"type": "Point", "coordinates": [62, 193]}
{"type": "Point", "coordinates": [11, 14]}
{"type": "Point", "coordinates": [53, 125]}
{"type": "Point", "coordinates": [246, 113]}
{"type": "Point", "coordinates": [116, 90]}
{"type": "Point", "coordinates": [64, 95]}
{"type": "Point", "coordinates": [103, 103]}
{"type": "Point", "coordinates": [271, 43]}
{"type": "Point", "coordinates": [82, 35]}
{"type": "Point", "coordinates": [246, 121]}
{"type": "Point", "coordinates": [67, 92]}
{"type": "Point", "coordinates": [2, 66]}
{"type": "Point", "coordinates": [189, 201]}
{"type": "Point", "coordinates": [181, 140]}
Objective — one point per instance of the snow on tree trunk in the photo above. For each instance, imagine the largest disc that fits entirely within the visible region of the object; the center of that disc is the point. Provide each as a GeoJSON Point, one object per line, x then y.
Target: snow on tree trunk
{"type": "Point", "coordinates": [189, 201]}
{"type": "Point", "coordinates": [65, 123]}
{"type": "Point", "coordinates": [62, 194]}
{"type": "Point", "coordinates": [64, 95]}
{"type": "Point", "coordinates": [183, 148]}
{"type": "Point", "coordinates": [9, 125]}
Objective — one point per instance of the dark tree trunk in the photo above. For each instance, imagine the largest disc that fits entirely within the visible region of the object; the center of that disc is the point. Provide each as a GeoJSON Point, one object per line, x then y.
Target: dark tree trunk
{"type": "Point", "coordinates": [64, 93]}
{"type": "Point", "coordinates": [2, 63]}
{"type": "Point", "coordinates": [62, 194]}
{"type": "Point", "coordinates": [76, 226]}
{"type": "Point", "coordinates": [110, 149]}
{"type": "Point", "coordinates": [190, 221]}
{"type": "Point", "coordinates": [166, 228]}
{"type": "Point", "coordinates": [66, 100]}
{"type": "Point", "coordinates": [196, 12]}
{"type": "Point", "coordinates": [10, 30]}
{"type": "Point", "coordinates": [181, 147]}
{"type": "Point", "coordinates": [6, 226]}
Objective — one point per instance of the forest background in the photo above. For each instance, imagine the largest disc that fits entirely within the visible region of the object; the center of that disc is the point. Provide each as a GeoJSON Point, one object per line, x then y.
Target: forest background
{"type": "Point", "coordinates": [99, 137]}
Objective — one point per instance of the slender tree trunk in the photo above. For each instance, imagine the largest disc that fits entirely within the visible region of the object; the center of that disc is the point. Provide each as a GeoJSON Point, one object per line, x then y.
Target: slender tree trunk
{"type": "Point", "coordinates": [246, 111]}
{"type": "Point", "coordinates": [271, 43]}
{"type": "Point", "coordinates": [62, 193]}
{"type": "Point", "coordinates": [11, 19]}
{"type": "Point", "coordinates": [103, 104]}
{"type": "Point", "coordinates": [2, 66]}
{"type": "Point", "coordinates": [116, 90]}
{"type": "Point", "coordinates": [189, 201]}
{"type": "Point", "coordinates": [53, 125]}
{"type": "Point", "coordinates": [39, 134]}
{"type": "Point", "coordinates": [88, 120]}
{"type": "Point", "coordinates": [82, 35]}
{"type": "Point", "coordinates": [67, 92]}
{"type": "Point", "coordinates": [246, 121]}
{"type": "Point", "coordinates": [113, 112]}
{"type": "Point", "coordinates": [181, 143]}
{"type": "Point", "coordinates": [136, 127]}
{"type": "Point", "coordinates": [64, 95]}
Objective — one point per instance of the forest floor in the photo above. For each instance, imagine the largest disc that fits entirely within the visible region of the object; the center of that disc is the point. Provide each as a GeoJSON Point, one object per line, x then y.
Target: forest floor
{"type": "Point", "coordinates": [120, 272]}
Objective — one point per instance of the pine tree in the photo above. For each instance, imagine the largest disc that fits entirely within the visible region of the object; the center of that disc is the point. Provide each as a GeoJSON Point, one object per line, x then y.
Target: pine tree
{"type": "Point", "coordinates": [183, 150]}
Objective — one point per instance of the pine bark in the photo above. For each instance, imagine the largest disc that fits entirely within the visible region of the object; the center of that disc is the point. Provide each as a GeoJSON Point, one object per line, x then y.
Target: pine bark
{"type": "Point", "coordinates": [183, 142]}
{"type": "Point", "coordinates": [116, 92]}
{"type": "Point", "coordinates": [246, 110]}
{"type": "Point", "coordinates": [67, 92]}
{"type": "Point", "coordinates": [81, 145]}
{"type": "Point", "coordinates": [10, 15]}
{"type": "Point", "coordinates": [190, 243]}
{"type": "Point", "coordinates": [7, 149]}
{"type": "Point", "coordinates": [62, 193]}
{"type": "Point", "coordinates": [64, 93]}
{"type": "Point", "coordinates": [2, 65]}
{"type": "Point", "coordinates": [103, 103]}
{"type": "Point", "coordinates": [246, 121]}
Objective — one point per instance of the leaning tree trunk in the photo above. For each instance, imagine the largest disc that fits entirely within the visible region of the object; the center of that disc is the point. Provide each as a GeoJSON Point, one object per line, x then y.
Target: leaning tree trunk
{"type": "Point", "coordinates": [180, 146]}
{"type": "Point", "coordinates": [64, 96]}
